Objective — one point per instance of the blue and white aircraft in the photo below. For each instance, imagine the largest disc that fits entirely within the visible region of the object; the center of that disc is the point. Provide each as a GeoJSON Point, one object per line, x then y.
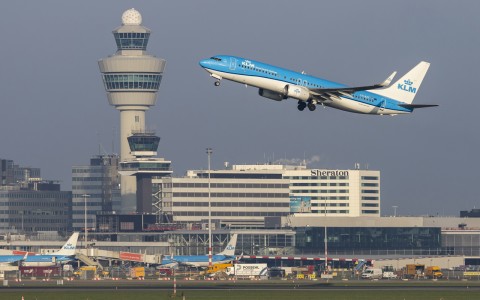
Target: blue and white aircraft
{"type": "Point", "coordinates": [278, 84]}
{"type": "Point", "coordinates": [197, 261]}
{"type": "Point", "coordinates": [66, 254]}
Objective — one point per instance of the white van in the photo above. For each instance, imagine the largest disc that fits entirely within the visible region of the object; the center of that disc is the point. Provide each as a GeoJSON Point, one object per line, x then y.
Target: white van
{"type": "Point", "coordinates": [372, 274]}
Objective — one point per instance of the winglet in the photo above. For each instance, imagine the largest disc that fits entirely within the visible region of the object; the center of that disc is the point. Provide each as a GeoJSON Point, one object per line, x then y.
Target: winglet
{"type": "Point", "coordinates": [388, 80]}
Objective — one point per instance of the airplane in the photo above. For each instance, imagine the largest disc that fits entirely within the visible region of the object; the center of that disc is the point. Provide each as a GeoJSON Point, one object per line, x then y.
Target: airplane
{"type": "Point", "coordinates": [66, 254]}
{"type": "Point", "coordinates": [227, 255]}
{"type": "Point", "coordinates": [279, 84]}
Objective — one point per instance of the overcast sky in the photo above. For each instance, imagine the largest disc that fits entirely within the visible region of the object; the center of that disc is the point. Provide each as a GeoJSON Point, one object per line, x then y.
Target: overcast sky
{"type": "Point", "coordinates": [54, 111]}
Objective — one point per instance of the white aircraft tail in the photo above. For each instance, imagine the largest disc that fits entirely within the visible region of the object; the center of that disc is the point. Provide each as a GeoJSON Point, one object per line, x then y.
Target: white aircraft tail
{"type": "Point", "coordinates": [405, 89]}
{"type": "Point", "coordinates": [230, 249]}
{"type": "Point", "coordinates": [70, 246]}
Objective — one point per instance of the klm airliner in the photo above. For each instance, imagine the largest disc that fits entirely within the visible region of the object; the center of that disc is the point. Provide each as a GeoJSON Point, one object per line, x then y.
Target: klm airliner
{"type": "Point", "coordinates": [66, 254]}
{"type": "Point", "coordinates": [278, 84]}
{"type": "Point", "coordinates": [197, 261]}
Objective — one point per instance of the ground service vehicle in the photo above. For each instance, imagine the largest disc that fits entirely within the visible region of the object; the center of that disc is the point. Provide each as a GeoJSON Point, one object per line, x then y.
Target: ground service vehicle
{"type": "Point", "coordinates": [86, 272]}
{"type": "Point", "coordinates": [433, 272]}
{"type": "Point", "coordinates": [220, 267]}
{"type": "Point", "coordinates": [247, 270]}
{"type": "Point", "coordinates": [277, 273]}
{"type": "Point", "coordinates": [414, 271]}
{"type": "Point", "coordinates": [137, 272]}
{"type": "Point", "coordinates": [164, 272]}
{"type": "Point", "coordinates": [388, 273]}
{"type": "Point", "coordinates": [40, 271]}
{"type": "Point", "coordinates": [372, 273]}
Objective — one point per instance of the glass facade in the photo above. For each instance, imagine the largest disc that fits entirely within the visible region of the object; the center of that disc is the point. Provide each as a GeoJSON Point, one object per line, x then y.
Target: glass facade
{"type": "Point", "coordinates": [132, 81]}
{"type": "Point", "coordinates": [31, 211]}
{"type": "Point", "coordinates": [100, 181]}
{"type": "Point", "coordinates": [131, 40]}
{"type": "Point", "coordinates": [368, 239]}
{"type": "Point", "coordinates": [143, 142]}
{"type": "Point", "coordinates": [155, 166]}
{"type": "Point", "coordinates": [462, 243]}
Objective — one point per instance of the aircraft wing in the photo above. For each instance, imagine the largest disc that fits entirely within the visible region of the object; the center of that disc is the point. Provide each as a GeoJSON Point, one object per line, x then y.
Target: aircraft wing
{"type": "Point", "coordinates": [344, 91]}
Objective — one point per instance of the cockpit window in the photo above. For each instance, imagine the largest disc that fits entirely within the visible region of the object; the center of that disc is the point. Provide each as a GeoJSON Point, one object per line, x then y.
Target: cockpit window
{"type": "Point", "coordinates": [216, 58]}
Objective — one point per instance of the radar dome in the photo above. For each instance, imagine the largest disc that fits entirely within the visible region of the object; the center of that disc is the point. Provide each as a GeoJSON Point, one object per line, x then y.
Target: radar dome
{"type": "Point", "coordinates": [131, 17]}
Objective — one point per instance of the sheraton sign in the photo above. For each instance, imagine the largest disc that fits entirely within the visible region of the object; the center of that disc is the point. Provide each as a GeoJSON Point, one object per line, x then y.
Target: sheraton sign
{"type": "Point", "coordinates": [321, 173]}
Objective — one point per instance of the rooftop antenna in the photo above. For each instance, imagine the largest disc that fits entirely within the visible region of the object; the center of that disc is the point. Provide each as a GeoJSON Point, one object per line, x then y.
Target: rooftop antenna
{"type": "Point", "coordinates": [102, 148]}
{"type": "Point", "coordinates": [113, 140]}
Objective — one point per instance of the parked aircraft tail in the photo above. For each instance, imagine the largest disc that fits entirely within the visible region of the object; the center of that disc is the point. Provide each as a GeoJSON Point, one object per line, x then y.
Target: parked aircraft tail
{"type": "Point", "coordinates": [230, 249]}
{"type": "Point", "coordinates": [70, 246]}
{"type": "Point", "coordinates": [405, 89]}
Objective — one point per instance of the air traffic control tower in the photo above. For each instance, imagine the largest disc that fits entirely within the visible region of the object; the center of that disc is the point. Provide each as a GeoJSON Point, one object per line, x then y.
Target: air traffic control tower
{"type": "Point", "coordinates": [132, 80]}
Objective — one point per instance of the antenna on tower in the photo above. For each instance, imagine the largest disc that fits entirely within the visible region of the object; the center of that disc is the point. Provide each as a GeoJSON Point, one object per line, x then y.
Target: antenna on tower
{"type": "Point", "coordinates": [113, 140]}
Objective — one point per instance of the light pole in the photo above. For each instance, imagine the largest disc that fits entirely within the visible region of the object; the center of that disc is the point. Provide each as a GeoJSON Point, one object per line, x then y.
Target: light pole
{"type": "Point", "coordinates": [23, 213]}
{"type": "Point", "coordinates": [86, 228]}
{"type": "Point", "coordinates": [394, 210]}
{"type": "Point", "coordinates": [209, 153]}
{"type": "Point", "coordinates": [325, 242]}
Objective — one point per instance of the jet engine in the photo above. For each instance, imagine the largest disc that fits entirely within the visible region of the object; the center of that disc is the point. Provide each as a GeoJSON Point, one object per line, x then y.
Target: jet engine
{"type": "Point", "coordinates": [297, 92]}
{"type": "Point", "coordinates": [271, 95]}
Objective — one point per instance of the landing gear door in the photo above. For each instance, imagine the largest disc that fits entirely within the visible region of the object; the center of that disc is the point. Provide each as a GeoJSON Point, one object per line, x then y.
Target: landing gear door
{"type": "Point", "coordinates": [233, 63]}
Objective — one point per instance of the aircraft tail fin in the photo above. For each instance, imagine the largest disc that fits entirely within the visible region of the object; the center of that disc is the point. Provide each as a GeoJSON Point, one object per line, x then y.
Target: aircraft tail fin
{"type": "Point", "coordinates": [230, 249]}
{"type": "Point", "coordinates": [70, 246]}
{"type": "Point", "coordinates": [405, 89]}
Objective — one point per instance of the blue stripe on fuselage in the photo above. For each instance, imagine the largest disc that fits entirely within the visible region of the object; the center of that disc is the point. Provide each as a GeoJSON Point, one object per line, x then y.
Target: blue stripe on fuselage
{"type": "Point", "coordinates": [241, 66]}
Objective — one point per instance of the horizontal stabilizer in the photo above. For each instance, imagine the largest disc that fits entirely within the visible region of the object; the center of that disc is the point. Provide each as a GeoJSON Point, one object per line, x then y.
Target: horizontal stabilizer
{"type": "Point", "coordinates": [388, 80]}
{"type": "Point", "coordinates": [413, 106]}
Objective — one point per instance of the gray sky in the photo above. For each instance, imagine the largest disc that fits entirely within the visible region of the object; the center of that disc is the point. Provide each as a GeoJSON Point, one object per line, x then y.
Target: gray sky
{"type": "Point", "coordinates": [54, 112]}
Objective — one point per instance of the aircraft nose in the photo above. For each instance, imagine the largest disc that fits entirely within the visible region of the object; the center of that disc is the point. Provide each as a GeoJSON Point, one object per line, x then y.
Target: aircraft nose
{"type": "Point", "coordinates": [205, 63]}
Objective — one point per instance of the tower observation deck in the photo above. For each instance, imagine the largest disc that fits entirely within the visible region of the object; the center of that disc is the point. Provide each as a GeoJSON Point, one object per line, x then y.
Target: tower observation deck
{"type": "Point", "coordinates": [132, 79]}
{"type": "Point", "coordinates": [143, 146]}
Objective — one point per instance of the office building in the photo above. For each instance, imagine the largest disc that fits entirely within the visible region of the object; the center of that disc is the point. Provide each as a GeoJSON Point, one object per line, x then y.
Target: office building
{"type": "Point", "coordinates": [31, 204]}
{"type": "Point", "coordinates": [95, 188]}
